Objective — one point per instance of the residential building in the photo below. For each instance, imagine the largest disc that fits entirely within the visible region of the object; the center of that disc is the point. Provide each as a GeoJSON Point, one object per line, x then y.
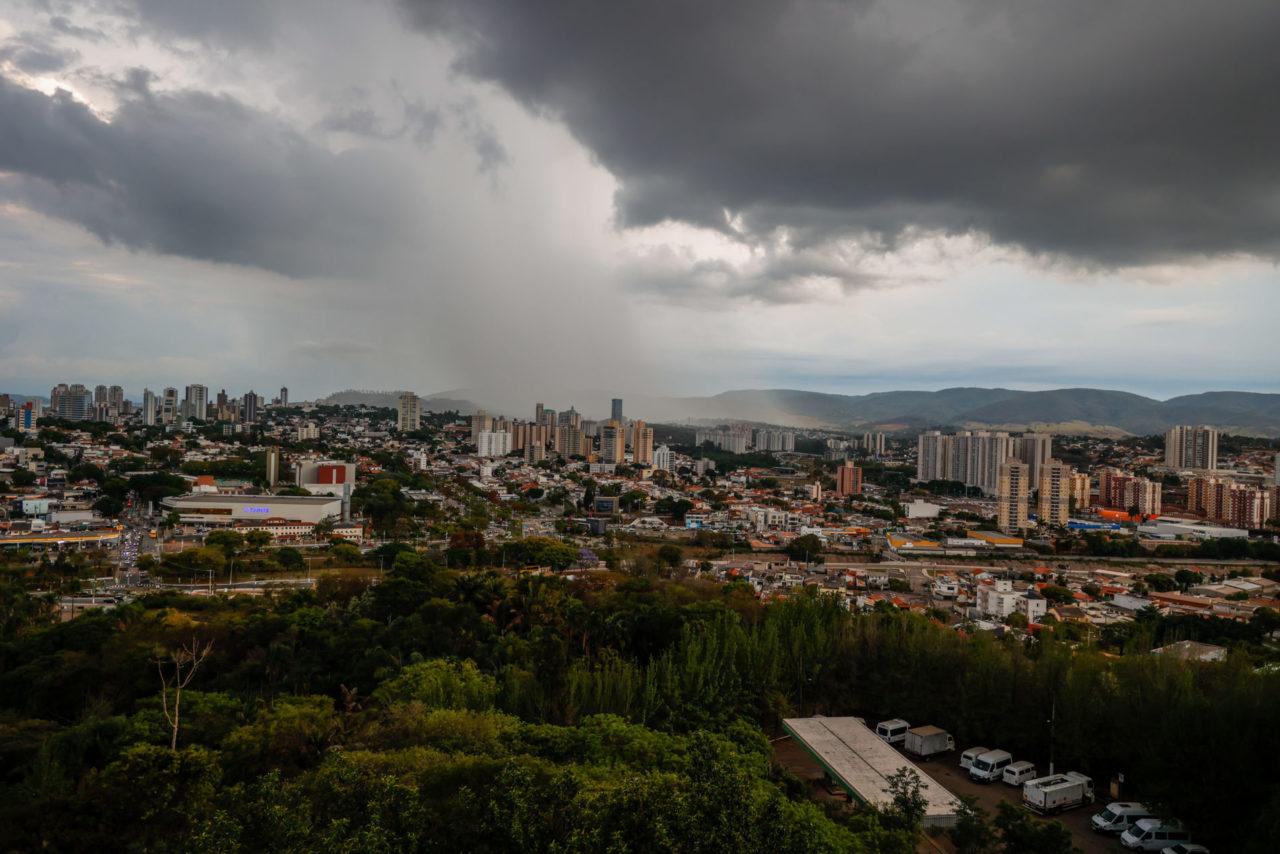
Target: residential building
{"type": "Point", "coordinates": [848, 480]}
{"type": "Point", "coordinates": [641, 443]}
{"type": "Point", "coordinates": [493, 443]}
{"type": "Point", "coordinates": [284, 396]}
{"type": "Point", "coordinates": [971, 457]}
{"type": "Point", "coordinates": [273, 466]}
{"type": "Point", "coordinates": [873, 444]}
{"type": "Point", "coordinates": [408, 412]}
{"type": "Point", "coordinates": [72, 402]}
{"type": "Point", "coordinates": [1224, 500]}
{"type": "Point", "coordinates": [1035, 449]}
{"type": "Point", "coordinates": [169, 406]}
{"type": "Point", "coordinates": [481, 422]}
{"type": "Point", "coordinates": [662, 458]}
{"type": "Point", "coordinates": [1053, 501]}
{"type": "Point", "coordinates": [196, 402]}
{"type": "Point", "coordinates": [613, 439]}
{"type": "Point", "coordinates": [1187, 447]}
{"type": "Point", "coordinates": [309, 431]}
{"type": "Point", "coordinates": [1013, 495]}
{"type": "Point", "coordinates": [1081, 490]}
{"type": "Point", "coordinates": [150, 407]}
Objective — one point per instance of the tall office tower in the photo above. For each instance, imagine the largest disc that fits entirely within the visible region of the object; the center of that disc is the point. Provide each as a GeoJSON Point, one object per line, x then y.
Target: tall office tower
{"type": "Point", "coordinates": [115, 399]}
{"type": "Point", "coordinates": [931, 456]}
{"type": "Point", "coordinates": [196, 402]}
{"type": "Point", "coordinates": [848, 479]}
{"type": "Point", "coordinates": [615, 410]}
{"type": "Point", "coordinates": [1035, 449]}
{"type": "Point", "coordinates": [409, 412]}
{"type": "Point", "coordinates": [250, 407]}
{"type": "Point", "coordinates": [284, 395]}
{"type": "Point", "coordinates": [493, 443]}
{"type": "Point", "coordinates": [537, 412]}
{"type": "Point", "coordinates": [55, 397]}
{"type": "Point", "coordinates": [662, 458]}
{"type": "Point", "coordinates": [273, 466]}
{"type": "Point", "coordinates": [75, 403]}
{"type": "Point", "coordinates": [1053, 504]}
{"type": "Point", "coordinates": [481, 422]}
{"type": "Point", "coordinates": [1187, 447]}
{"type": "Point", "coordinates": [169, 405]}
{"type": "Point", "coordinates": [148, 407]}
{"type": "Point", "coordinates": [1081, 494]}
{"type": "Point", "coordinates": [613, 442]}
{"type": "Point", "coordinates": [641, 443]}
{"type": "Point", "coordinates": [99, 395]}
{"type": "Point", "coordinates": [1012, 496]}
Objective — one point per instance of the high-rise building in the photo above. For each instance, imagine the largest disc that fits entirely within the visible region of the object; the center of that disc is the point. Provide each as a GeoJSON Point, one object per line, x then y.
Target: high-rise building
{"type": "Point", "coordinates": [873, 444]}
{"type": "Point", "coordinates": [1013, 494]}
{"type": "Point", "coordinates": [481, 422]}
{"type": "Point", "coordinates": [973, 458]}
{"type": "Point", "coordinates": [308, 431]}
{"type": "Point", "coordinates": [169, 406]}
{"type": "Point", "coordinates": [493, 443]}
{"type": "Point", "coordinates": [1224, 500]}
{"type": "Point", "coordinates": [73, 403]}
{"type": "Point", "coordinates": [1035, 449]}
{"type": "Point", "coordinates": [196, 402]}
{"type": "Point", "coordinates": [662, 458]}
{"type": "Point", "coordinates": [848, 480]}
{"type": "Point", "coordinates": [284, 396]}
{"type": "Point", "coordinates": [149, 408]}
{"type": "Point", "coordinates": [409, 412]}
{"type": "Point", "coordinates": [1127, 492]}
{"type": "Point", "coordinates": [222, 400]}
{"type": "Point", "coordinates": [641, 443]}
{"type": "Point", "coordinates": [26, 417]}
{"type": "Point", "coordinates": [931, 456]}
{"type": "Point", "coordinates": [1053, 503]}
{"type": "Point", "coordinates": [613, 441]}
{"type": "Point", "coordinates": [115, 399]}
{"type": "Point", "coordinates": [250, 407]}
{"type": "Point", "coordinates": [774, 440]}
{"type": "Point", "coordinates": [615, 410]}
{"type": "Point", "coordinates": [273, 466]}
{"type": "Point", "coordinates": [1081, 490]}
{"type": "Point", "coordinates": [99, 395]}
{"type": "Point", "coordinates": [1187, 447]}
{"type": "Point", "coordinates": [537, 412]}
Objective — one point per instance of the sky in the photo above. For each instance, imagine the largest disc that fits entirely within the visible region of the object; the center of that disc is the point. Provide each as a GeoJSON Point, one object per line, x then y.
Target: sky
{"type": "Point", "coordinates": [648, 197]}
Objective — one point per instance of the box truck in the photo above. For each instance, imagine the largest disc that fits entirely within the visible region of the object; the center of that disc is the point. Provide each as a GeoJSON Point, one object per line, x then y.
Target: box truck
{"type": "Point", "coordinates": [927, 740]}
{"type": "Point", "coordinates": [1057, 792]}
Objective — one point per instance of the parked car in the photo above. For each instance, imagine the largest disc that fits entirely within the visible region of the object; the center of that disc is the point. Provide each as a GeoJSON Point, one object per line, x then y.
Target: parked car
{"type": "Point", "coordinates": [894, 731]}
{"type": "Point", "coordinates": [1153, 834]}
{"type": "Point", "coordinates": [1019, 772]}
{"type": "Point", "coordinates": [966, 758]}
{"type": "Point", "coordinates": [1185, 848]}
{"type": "Point", "coordinates": [928, 740]}
{"type": "Point", "coordinates": [990, 766]}
{"type": "Point", "coordinates": [1118, 816]}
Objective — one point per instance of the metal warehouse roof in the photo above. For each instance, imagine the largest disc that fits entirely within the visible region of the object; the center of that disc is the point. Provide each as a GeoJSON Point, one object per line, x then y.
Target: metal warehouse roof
{"type": "Point", "coordinates": [862, 763]}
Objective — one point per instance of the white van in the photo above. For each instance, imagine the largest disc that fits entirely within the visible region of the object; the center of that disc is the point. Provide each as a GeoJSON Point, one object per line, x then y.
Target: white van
{"type": "Point", "coordinates": [1019, 773]}
{"type": "Point", "coordinates": [1118, 816]}
{"type": "Point", "coordinates": [894, 731]}
{"type": "Point", "coordinates": [990, 766]}
{"type": "Point", "coordinates": [1152, 834]}
{"type": "Point", "coordinates": [966, 758]}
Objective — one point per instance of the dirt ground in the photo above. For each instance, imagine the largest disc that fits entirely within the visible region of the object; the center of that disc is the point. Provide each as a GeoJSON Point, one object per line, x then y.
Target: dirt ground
{"type": "Point", "coordinates": [947, 771]}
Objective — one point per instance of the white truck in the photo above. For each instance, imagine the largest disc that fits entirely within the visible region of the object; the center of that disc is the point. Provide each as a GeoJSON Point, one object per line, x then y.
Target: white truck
{"type": "Point", "coordinates": [1057, 792]}
{"type": "Point", "coordinates": [925, 741]}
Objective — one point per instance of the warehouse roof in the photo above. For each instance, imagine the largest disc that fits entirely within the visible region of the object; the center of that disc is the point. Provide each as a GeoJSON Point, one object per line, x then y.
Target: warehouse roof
{"type": "Point", "coordinates": [862, 763]}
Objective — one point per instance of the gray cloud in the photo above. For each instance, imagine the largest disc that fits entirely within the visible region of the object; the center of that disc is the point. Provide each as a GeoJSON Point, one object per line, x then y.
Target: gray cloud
{"type": "Point", "coordinates": [35, 53]}
{"type": "Point", "coordinates": [1109, 133]}
{"type": "Point", "coordinates": [67, 27]}
{"type": "Point", "coordinates": [204, 177]}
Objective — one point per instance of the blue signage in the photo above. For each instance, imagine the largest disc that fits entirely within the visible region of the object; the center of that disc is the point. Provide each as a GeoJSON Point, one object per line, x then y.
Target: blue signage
{"type": "Point", "coordinates": [256, 509]}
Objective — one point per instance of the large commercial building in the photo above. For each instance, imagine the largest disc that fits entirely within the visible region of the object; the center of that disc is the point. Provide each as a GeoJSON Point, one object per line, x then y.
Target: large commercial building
{"type": "Point", "coordinates": [615, 410]}
{"type": "Point", "coordinates": [325, 477]}
{"type": "Point", "coordinates": [1187, 447]}
{"type": "Point", "coordinates": [214, 509]}
{"type": "Point", "coordinates": [1053, 501]}
{"type": "Point", "coordinates": [409, 412]}
{"type": "Point", "coordinates": [1013, 494]}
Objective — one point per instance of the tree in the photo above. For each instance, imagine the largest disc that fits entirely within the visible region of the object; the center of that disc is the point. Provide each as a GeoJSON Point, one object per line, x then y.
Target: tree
{"type": "Point", "coordinates": [805, 547]}
{"type": "Point", "coordinates": [972, 833]}
{"type": "Point", "coordinates": [323, 528]}
{"type": "Point", "coordinates": [257, 540]}
{"type": "Point", "coordinates": [177, 669]}
{"type": "Point", "coordinates": [23, 477]}
{"type": "Point", "coordinates": [1020, 833]}
{"type": "Point", "coordinates": [1060, 595]}
{"type": "Point", "coordinates": [1187, 578]}
{"type": "Point", "coordinates": [671, 555]}
{"type": "Point", "coordinates": [226, 540]}
{"type": "Point", "coordinates": [1160, 582]}
{"type": "Point", "coordinates": [909, 803]}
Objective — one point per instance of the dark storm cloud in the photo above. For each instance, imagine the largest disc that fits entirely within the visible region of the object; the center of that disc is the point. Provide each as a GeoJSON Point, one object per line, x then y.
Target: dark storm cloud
{"type": "Point", "coordinates": [200, 176]}
{"type": "Point", "coordinates": [1110, 133]}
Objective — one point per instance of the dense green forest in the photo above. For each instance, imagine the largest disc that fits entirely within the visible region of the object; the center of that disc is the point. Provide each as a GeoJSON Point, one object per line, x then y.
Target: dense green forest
{"type": "Point", "coordinates": [447, 711]}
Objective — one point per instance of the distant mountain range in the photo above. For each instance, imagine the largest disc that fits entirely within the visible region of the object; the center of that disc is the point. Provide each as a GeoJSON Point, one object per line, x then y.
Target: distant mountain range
{"type": "Point", "coordinates": [1067, 410]}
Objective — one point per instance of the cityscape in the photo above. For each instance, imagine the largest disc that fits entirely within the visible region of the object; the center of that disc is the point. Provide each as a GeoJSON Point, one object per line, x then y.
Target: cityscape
{"type": "Point", "coordinates": [801, 426]}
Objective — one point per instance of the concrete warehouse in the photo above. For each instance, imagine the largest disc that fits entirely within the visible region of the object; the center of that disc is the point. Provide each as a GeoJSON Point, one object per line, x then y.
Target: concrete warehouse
{"type": "Point", "coordinates": [209, 509]}
{"type": "Point", "coordinates": [862, 763]}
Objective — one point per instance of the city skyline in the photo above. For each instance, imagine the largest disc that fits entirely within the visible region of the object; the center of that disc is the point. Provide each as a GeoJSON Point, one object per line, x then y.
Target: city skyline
{"type": "Point", "coordinates": [416, 195]}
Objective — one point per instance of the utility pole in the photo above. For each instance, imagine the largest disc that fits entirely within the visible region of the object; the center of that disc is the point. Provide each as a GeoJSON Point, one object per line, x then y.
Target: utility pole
{"type": "Point", "coordinates": [1053, 714]}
